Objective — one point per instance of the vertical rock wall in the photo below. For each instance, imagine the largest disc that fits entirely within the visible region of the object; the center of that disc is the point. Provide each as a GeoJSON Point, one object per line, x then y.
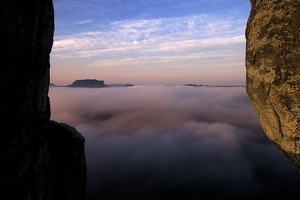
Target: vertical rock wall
{"type": "Point", "coordinates": [31, 147]}
{"type": "Point", "coordinates": [273, 70]}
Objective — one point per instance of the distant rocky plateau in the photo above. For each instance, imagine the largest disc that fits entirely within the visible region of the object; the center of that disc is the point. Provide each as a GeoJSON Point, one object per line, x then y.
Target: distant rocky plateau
{"type": "Point", "coordinates": [91, 83]}
{"type": "Point", "coordinates": [88, 83]}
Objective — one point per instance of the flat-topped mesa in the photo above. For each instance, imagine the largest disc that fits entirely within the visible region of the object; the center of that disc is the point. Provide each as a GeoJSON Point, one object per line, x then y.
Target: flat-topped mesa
{"type": "Point", "coordinates": [88, 83]}
{"type": "Point", "coordinates": [273, 69]}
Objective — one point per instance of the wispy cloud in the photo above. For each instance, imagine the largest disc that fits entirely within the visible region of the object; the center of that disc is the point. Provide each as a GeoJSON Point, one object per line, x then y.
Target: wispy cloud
{"type": "Point", "coordinates": [146, 35]}
{"type": "Point", "coordinates": [84, 22]}
{"type": "Point", "coordinates": [160, 36]}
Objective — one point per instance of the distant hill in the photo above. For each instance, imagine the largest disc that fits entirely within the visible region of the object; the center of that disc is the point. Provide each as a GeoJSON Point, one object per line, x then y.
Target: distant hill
{"type": "Point", "coordinates": [88, 83]}
{"type": "Point", "coordinates": [120, 85]}
{"type": "Point", "coordinates": [52, 85]}
{"type": "Point", "coordinates": [194, 85]}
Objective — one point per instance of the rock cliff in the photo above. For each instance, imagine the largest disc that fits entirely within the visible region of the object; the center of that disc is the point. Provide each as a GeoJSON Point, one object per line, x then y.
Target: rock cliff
{"type": "Point", "coordinates": [40, 159]}
{"type": "Point", "coordinates": [273, 71]}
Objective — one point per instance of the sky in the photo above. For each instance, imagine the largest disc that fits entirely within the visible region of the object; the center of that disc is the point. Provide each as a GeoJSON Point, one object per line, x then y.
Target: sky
{"type": "Point", "coordinates": [150, 42]}
{"type": "Point", "coordinates": [160, 143]}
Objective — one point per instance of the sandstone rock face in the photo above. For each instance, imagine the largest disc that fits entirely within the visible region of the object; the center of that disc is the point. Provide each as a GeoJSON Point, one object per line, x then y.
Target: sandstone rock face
{"type": "Point", "coordinates": [31, 145]}
{"type": "Point", "coordinates": [273, 69]}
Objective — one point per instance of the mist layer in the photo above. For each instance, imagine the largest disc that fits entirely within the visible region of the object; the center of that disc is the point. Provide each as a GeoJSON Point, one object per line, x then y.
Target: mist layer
{"type": "Point", "coordinates": [174, 143]}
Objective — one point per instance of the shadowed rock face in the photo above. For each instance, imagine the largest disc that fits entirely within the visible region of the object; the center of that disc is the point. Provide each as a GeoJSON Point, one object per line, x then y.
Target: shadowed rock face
{"type": "Point", "coordinates": [40, 159]}
{"type": "Point", "coordinates": [273, 71]}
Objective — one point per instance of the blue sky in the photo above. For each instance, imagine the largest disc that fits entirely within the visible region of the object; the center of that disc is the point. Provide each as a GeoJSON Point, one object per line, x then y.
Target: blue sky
{"type": "Point", "coordinates": [150, 41]}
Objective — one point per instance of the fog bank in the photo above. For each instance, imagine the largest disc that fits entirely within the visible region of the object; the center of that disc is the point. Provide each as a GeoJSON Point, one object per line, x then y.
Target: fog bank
{"type": "Point", "coordinates": [174, 143]}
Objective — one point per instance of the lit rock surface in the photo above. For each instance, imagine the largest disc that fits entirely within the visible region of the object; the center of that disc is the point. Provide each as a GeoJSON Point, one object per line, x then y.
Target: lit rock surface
{"type": "Point", "coordinates": [273, 71]}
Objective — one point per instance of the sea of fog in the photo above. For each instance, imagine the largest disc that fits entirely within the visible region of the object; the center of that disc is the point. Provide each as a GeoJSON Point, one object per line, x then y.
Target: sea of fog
{"type": "Point", "coordinates": [167, 142]}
